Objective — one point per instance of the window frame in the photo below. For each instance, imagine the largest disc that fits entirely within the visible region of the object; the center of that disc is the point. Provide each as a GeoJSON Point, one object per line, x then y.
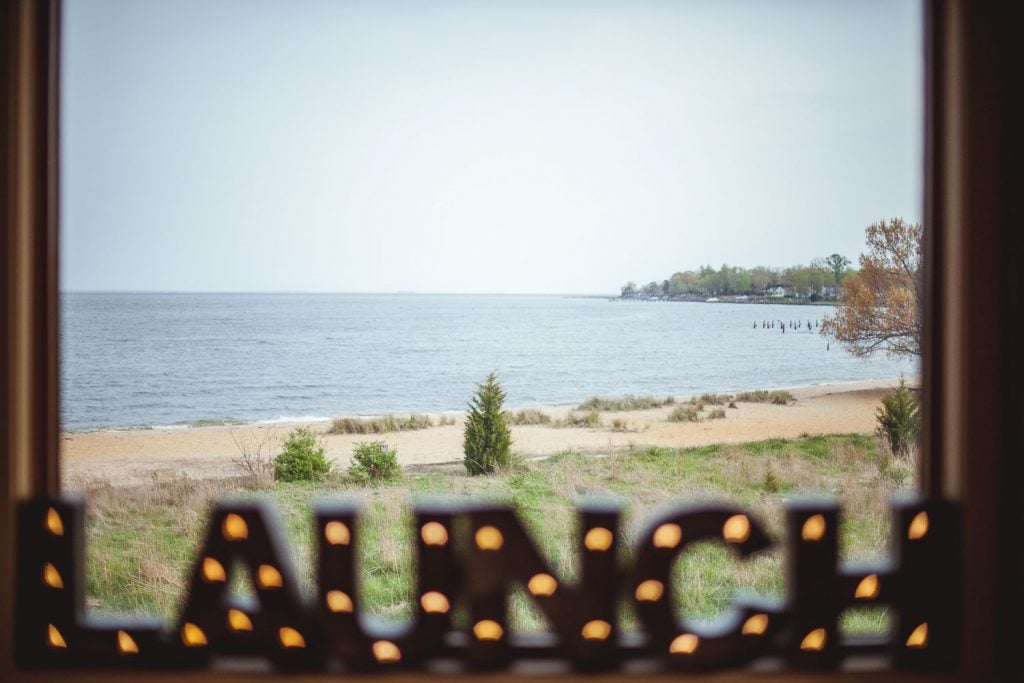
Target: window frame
{"type": "Point", "coordinates": [968, 375]}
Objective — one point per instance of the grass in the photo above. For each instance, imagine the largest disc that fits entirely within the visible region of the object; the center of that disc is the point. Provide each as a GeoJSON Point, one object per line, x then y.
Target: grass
{"type": "Point", "coordinates": [384, 424]}
{"type": "Point", "coordinates": [140, 541]}
{"type": "Point", "coordinates": [777, 397]}
{"type": "Point", "coordinates": [629, 402]}
{"type": "Point", "coordinates": [528, 416]}
{"type": "Point", "coordinates": [689, 412]}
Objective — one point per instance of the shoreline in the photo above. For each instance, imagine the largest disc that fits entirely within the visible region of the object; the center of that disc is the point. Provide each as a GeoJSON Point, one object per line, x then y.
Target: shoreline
{"type": "Point", "coordinates": [126, 457]}
{"type": "Point", "coordinates": [313, 420]}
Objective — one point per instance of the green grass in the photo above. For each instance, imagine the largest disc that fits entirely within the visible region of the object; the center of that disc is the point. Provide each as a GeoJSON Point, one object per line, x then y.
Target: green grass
{"type": "Point", "coordinates": [140, 541]}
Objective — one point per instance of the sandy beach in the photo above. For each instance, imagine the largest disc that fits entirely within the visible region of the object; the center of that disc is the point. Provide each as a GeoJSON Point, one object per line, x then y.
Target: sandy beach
{"type": "Point", "coordinates": [125, 458]}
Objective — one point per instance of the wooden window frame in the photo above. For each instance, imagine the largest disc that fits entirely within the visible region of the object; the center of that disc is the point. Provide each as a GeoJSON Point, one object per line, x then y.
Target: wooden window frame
{"type": "Point", "coordinates": [971, 376]}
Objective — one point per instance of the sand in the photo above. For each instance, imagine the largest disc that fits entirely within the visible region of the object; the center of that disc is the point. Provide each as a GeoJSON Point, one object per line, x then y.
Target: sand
{"type": "Point", "coordinates": [126, 458]}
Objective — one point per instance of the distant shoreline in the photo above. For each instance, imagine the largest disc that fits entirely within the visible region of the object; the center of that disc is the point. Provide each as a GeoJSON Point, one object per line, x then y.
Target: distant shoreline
{"type": "Point", "coordinates": [781, 301]}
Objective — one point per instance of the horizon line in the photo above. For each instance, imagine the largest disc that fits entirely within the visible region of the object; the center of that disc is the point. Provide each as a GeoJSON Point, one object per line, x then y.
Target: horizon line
{"type": "Point", "coordinates": [326, 292]}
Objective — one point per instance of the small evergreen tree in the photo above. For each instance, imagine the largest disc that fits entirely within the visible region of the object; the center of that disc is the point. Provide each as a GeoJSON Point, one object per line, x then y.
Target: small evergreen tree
{"type": "Point", "coordinates": [898, 419]}
{"type": "Point", "coordinates": [487, 441]}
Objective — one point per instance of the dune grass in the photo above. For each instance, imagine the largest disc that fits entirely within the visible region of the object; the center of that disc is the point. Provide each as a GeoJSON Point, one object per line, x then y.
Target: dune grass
{"type": "Point", "coordinates": [383, 424]}
{"type": "Point", "coordinates": [628, 402]}
{"type": "Point", "coordinates": [777, 397]}
{"type": "Point", "coordinates": [141, 540]}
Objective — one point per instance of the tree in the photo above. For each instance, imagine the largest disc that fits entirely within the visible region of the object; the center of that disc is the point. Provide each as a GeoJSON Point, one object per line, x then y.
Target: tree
{"type": "Point", "coordinates": [629, 290]}
{"type": "Point", "coordinates": [880, 306]}
{"type": "Point", "coordinates": [487, 440]}
{"type": "Point", "coordinates": [838, 264]}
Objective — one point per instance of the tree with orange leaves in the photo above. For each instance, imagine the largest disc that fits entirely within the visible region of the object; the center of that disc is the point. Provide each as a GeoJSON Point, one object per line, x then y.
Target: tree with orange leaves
{"type": "Point", "coordinates": [880, 306]}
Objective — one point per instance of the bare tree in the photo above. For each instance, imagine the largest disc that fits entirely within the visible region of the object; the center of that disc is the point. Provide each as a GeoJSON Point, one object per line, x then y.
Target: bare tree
{"type": "Point", "coordinates": [255, 446]}
{"type": "Point", "coordinates": [880, 306]}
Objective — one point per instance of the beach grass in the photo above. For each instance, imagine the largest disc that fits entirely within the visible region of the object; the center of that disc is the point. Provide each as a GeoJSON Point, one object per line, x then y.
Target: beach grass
{"type": "Point", "coordinates": [629, 402]}
{"type": "Point", "coordinates": [383, 424]}
{"type": "Point", "coordinates": [140, 540]}
{"type": "Point", "coordinates": [777, 397]}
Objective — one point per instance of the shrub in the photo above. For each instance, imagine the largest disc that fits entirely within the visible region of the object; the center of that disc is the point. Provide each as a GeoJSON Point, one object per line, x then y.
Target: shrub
{"type": "Point", "coordinates": [487, 441]}
{"type": "Point", "coordinates": [374, 463]}
{"type": "Point", "coordinates": [255, 454]}
{"type": "Point", "coordinates": [686, 413]}
{"type": "Point", "coordinates": [302, 458]}
{"type": "Point", "coordinates": [898, 419]}
{"type": "Point", "coordinates": [590, 420]}
{"type": "Point", "coordinates": [717, 414]}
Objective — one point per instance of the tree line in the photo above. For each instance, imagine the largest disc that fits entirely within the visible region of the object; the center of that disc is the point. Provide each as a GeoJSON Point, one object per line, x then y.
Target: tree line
{"type": "Point", "coordinates": [822, 279]}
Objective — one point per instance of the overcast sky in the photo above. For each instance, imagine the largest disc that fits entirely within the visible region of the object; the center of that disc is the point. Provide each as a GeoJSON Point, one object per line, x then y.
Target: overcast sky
{"type": "Point", "coordinates": [478, 146]}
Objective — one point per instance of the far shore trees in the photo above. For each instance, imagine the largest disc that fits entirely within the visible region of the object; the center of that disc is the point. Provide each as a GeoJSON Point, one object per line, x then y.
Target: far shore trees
{"type": "Point", "coordinates": [880, 306]}
{"type": "Point", "coordinates": [822, 279]}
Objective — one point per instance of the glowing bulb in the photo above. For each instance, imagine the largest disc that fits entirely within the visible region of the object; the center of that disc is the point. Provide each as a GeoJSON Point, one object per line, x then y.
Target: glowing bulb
{"type": "Point", "coordinates": [386, 652]}
{"type": "Point", "coordinates": [434, 603]}
{"type": "Point", "coordinates": [596, 630]}
{"type": "Point", "coordinates": [434, 533]}
{"type": "Point", "coordinates": [337, 533]}
{"type": "Point", "coordinates": [54, 637]}
{"type": "Point", "coordinates": [234, 528]}
{"type": "Point", "coordinates": [918, 526]}
{"type": "Point", "coordinates": [650, 591]}
{"type": "Point", "coordinates": [489, 538]}
{"type": "Point", "coordinates": [868, 588]}
{"type": "Point", "coordinates": [51, 577]}
{"type": "Point", "coordinates": [213, 570]}
{"type": "Point", "coordinates": [268, 577]}
{"type": "Point", "coordinates": [239, 620]}
{"type": "Point", "coordinates": [736, 529]}
{"type": "Point", "coordinates": [598, 539]}
{"type": "Point", "coordinates": [667, 536]}
{"type": "Point", "coordinates": [755, 625]}
{"type": "Point", "coordinates": [290, 638]}
{"type": "Point", "coordinates": [487, 630]}
{"type": "Point", "coordinates": [53, 523]}
{"type": "Point", "coordinates": [685, 644]}
{"type": "Point", "coordinates": [192, 635]}
{"type": "Point", "coordinates": [126, 645]}
{"type": "Point", "coordinates": [814, 528]}
{"type": "Point", "coordinates": [918, 637]}
{"type": "Point", "coordinates": [337, 601]}
{"type": "Point", "coordinates": [542, 584]}
{"type": "Point", "coordinates": [815, 640]}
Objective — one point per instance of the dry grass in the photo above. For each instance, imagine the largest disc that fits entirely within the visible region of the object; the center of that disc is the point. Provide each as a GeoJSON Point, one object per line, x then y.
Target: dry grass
{"type": "Point", "coordinates": [628, 402]}
{"type": "Point", "coordinates": [777, 397]}
{"type": "Point", "coordinates": [381, 425]}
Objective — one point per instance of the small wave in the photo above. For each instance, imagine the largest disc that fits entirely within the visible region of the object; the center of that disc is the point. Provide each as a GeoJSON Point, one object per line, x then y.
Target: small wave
{"type": "Point", "coordinates": [287, 419]}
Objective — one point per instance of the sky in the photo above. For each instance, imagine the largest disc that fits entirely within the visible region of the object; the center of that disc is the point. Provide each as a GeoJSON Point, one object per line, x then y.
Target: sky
{"type": "Point", "coordinates": [519, 147]}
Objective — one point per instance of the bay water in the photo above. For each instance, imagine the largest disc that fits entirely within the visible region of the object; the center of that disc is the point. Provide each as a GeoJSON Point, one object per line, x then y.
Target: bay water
{"type": "Point", "coordinates": [131, 360]}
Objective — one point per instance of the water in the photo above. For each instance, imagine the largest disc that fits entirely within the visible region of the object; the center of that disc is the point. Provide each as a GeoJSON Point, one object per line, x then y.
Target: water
{"type": "Point", "coordinates": [179, 359]}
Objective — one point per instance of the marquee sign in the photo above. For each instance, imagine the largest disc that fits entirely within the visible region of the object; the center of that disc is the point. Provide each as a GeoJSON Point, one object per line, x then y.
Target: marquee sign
{"type": "Point", "coordinates": [469, 556]}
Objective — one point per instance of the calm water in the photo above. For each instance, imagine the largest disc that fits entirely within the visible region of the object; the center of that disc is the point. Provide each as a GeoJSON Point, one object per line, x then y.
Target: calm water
{"type": "Point", "coordinates": [177, 359]}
